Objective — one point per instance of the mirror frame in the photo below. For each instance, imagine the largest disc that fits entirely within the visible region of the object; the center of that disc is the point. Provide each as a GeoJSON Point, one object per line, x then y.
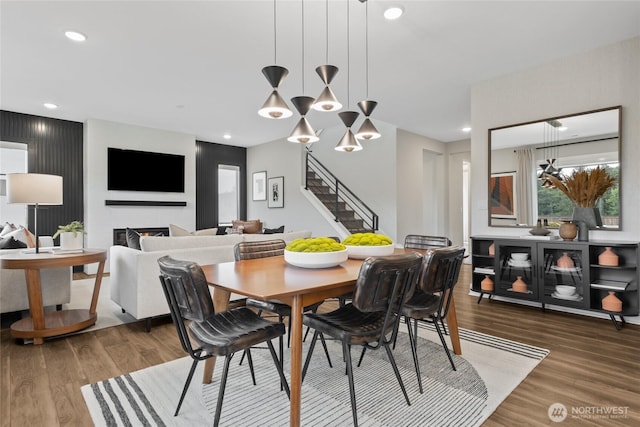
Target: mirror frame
{"type": "Point", "coordinates": [619, 136]}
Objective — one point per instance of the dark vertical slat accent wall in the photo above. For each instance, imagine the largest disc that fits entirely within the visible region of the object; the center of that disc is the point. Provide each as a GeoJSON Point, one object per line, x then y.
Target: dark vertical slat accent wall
{"type": "Point", "coordinates": [54, 147]}
{"type": "Point", "coordinates": [208, 157]}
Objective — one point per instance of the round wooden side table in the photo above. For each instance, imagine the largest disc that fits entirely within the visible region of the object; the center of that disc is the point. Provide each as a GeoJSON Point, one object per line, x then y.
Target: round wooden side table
{"type": "Point", "coordinates": [40, 325]}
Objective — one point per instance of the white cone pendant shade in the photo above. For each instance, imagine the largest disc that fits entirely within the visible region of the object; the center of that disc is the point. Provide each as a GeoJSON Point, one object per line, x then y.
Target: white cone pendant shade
{"type": "Point", "coordinates": [367, 129]}
{"type": "Point", "coordinates": [327, 100]}
{"type": "Point", "coordinates": [303, 133]}
{"type": "Point", "coordinates": [275, 107]}
{"type": "Point", "coordinates": [348, 142]}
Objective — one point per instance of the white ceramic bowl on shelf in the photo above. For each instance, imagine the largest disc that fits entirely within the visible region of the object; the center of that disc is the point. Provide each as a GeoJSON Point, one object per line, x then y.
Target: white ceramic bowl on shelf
{"type": "Point", "coordinates": [565, 290]}
{"type": "Point", "coordinates": [519, 256]}
{"type": "Point", "coordinates": [362, 252]}
{"type": "Point", "coordinates": [316, 259]}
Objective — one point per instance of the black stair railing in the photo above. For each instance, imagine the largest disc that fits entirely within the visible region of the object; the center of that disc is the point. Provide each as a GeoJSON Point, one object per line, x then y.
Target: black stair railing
{"type": "Point", "coordinates": [341, 193]}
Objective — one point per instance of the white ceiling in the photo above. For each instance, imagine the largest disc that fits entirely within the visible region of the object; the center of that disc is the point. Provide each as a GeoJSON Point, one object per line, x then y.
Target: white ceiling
{"type": "Point", "coordinates": [194, 66]}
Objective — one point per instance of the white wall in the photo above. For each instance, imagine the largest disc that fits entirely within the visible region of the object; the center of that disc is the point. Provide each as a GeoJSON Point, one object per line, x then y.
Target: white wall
{"type": "Point", "coordinates": [403, 177]}
{"type": "Point", "coordinates": [100, 220]}
{"type": "Point", "coordinates": [601, 78]}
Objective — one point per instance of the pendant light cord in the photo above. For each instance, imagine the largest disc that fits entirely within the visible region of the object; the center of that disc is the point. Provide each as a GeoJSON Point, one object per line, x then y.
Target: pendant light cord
{"type": "Point", "coordinates": [366, 46]}
{"type": "Point", "coordinates": [348, 57]}
{"type": "Point", "coordinates": [302, 47]}
{"type": "Point", "coordinates": [275, 44]}
{"type": "Point", "coordinates": [326, 14]}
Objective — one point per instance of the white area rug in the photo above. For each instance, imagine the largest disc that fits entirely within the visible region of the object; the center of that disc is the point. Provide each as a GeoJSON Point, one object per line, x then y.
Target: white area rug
{"type": "Point", "coordinates": [488, 371]}
{"type": "Point", "coordinates": [109, 313]}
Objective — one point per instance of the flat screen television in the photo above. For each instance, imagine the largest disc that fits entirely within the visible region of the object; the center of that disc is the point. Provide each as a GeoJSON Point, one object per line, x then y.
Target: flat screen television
{"type": "Point", "coordinates": [131, 170]}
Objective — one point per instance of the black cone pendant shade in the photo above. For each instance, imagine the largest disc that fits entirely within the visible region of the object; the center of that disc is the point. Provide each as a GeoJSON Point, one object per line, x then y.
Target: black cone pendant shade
{"type": "Point", "coordinates": [303, 132]}
{"type": "Point", "coordinates": [327, 100]}
{"type": "Point", "coordinates": [275, 107]}
{"type": "Point", "coordinates": [367, 130]}
{"type": "Point", "coordinates": [348, 142]}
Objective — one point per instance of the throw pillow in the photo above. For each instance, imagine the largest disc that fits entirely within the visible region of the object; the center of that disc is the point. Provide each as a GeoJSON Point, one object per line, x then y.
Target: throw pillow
{"type": "Point", "coordinates": [7, 228]}
{"type": "Point", "coordinates": [253, 226]}
{"type": "Point", "coordinates": [175, 231]}
{"type": "Point", "coordinates": [133, 239]}
{"type": "Point", "coordinates": [11, 243]}
{"type": "Point", "coordinates": [274, 230]}
{"type": "Point", "coordinates": [22, 235]}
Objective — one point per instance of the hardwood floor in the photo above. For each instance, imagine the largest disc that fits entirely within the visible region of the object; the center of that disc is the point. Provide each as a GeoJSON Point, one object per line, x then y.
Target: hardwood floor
{"type": "Point", "coordinates": [591, 367]}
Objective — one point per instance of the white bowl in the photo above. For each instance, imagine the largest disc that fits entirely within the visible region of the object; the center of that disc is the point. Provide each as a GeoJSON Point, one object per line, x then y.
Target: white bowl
{"type": "Point", "coordinates": [519, 256]}
{"type": "Point", "coordinates": [362, 252]}
{"type": "Point", "coordinates": [315, 259]}
{"type": "Point", "coordinates": [565, 290]}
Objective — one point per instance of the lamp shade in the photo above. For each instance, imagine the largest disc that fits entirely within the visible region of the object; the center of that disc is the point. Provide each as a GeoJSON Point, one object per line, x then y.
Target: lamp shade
{"type": "Point", "coordinates": [34, 188]}
{"type": "Point", "coordinates": [275, 107]}
{"type": "Point", "coordinates": [367, 130]}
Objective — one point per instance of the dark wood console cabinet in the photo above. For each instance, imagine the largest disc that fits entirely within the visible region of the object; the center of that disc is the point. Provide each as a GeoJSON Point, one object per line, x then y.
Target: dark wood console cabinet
{"type": "Point", "coordinates": [541, 272]}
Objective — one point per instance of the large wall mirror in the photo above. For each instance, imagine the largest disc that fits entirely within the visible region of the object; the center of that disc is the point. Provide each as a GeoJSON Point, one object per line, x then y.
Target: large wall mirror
{"type": "Point", "coordinates": [518, 197]}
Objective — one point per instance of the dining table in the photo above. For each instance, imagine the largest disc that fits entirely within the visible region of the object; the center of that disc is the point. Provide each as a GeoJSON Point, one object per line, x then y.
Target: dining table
{"type": "Point", "coordinates": [272, 278]}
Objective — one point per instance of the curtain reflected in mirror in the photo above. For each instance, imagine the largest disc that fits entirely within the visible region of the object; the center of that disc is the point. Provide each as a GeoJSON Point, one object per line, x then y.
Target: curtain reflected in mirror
{"type": "Point", "coordinates": [522, 155]}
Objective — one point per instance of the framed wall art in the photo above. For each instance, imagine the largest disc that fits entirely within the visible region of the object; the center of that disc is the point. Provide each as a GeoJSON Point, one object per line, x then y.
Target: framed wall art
{"type": "Point", "coordinates": [502, 195]}
{"type": "Point", "coordinates": [275, 191]}
{"type": "Point", "coordinates": [259, 185]}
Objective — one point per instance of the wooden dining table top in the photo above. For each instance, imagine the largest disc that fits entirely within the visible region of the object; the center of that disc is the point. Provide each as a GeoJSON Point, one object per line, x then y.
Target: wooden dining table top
{"type": "Point", "coordinates": [272, 278]}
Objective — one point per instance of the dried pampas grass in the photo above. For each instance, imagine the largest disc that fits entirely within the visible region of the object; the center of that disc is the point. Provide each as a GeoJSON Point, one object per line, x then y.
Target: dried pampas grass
{"type": "Point", "coordinates": [584, 187]}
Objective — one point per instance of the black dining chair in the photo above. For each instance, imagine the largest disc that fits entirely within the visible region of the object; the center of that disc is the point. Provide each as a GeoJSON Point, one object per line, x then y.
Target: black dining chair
{"type": "Point", "coordinates": [265, 249]}
{"type": "Point", "coordinates": [432, 297]}
{"type": "Point", "coordinates": [370, 319]}
{"type": "Point", "coordinates": [203, 333]}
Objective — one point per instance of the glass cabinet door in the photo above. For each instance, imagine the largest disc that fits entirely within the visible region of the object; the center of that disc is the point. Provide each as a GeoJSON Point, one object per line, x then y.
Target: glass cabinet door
{"type": "Point", "coordinates": [515, 275]}
{"type": "Point", "coordinates": [564, 274]}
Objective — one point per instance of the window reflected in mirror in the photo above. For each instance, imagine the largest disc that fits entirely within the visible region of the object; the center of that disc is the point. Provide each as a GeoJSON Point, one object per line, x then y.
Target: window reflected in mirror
{"type": "Point", "coordinates": [523, 155]}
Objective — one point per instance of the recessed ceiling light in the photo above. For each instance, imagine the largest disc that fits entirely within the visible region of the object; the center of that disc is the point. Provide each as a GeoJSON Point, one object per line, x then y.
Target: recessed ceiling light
{"type": "Point", "coordinates": [75, 36]}
{"type": "Point", "coordinates": [466, 129]}
{"type": "Point", "coordinates": [50, 105]}
{"type": "Point", "coordinates": [562, 128]}
{"type": "Point", "coordinates": [226, 136]}
{"type": "Point", "coordinates": [393, 12]}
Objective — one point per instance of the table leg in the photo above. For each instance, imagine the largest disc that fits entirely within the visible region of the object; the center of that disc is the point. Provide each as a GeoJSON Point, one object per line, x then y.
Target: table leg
{"type": "Point", "coordinates": [220, 303]}
{"type": "Point", "coordinates": [36, 310]}
{"type": "Point", "coordinates": [452, 322]}
{"type": "Point", "coordinates": [96, 288]}
{"type": "Point", "coordinates": [296, 360]}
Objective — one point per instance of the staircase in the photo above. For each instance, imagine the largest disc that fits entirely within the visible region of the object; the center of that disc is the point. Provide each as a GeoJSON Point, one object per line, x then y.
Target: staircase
{"type": "Point", "coordinates": [346, 208]}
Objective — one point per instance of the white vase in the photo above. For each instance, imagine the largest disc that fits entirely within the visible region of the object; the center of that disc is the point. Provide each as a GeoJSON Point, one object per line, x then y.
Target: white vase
{"type": "Point", "coordinates": [70, 240]}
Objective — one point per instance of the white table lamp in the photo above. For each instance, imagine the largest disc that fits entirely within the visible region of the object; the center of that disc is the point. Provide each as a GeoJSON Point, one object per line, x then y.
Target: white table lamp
{"type": "Point", "coordinates": [34, 189]}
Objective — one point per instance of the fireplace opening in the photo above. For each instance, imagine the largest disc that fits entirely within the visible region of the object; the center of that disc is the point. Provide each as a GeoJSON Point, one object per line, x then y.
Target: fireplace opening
{"type": "Point", "coordinates": [120, 234]}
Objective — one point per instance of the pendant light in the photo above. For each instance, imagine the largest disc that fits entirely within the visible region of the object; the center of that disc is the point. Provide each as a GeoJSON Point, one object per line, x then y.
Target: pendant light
{"type": "Point", "coordinates": [303, 133]}
{"type": "Point", "coordinates": [367, 129]}
{"type": "Point", "coordinates": [275, 107]}
{"type": "Point", "coordinates": [348, 142]}
{"type": "Point", "coordinates": [327, 100]}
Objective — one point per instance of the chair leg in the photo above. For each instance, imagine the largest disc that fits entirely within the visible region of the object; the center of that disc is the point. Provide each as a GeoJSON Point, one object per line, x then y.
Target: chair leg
{"type": "Point", "coordinates": [413, 340]}
{"type": "Point", "coordinates": [186, 385]}
{"type": "Point", "coordinates": [364, 350]}
{"type": "Point", "coordinates": [326, 350]}
{"type": "Point", "coordinates": [223, 383]}
{"type": "Point", "coordinates": [444, 344]}
{"type": "Point", "coordinates": [283, 380]}
{"type": "Point", "coordinates": [281, 347]}
{"type": "Point", "coordinates": [309, 353]}
{"type": "Point", "coordinates": [397, 372]}
{"type": "Point", "coordinates": [346, 352]}
{"type": "Point", "coordinates": [444, 328]}
{"type": "Point", "coordinates": [250, 360]}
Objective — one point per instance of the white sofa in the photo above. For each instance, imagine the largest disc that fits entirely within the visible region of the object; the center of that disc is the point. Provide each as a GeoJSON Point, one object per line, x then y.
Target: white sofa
{"type": "Point", "coordinates": [134, 274]}
{"type": "Point", "coordinates": [56, 284]}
